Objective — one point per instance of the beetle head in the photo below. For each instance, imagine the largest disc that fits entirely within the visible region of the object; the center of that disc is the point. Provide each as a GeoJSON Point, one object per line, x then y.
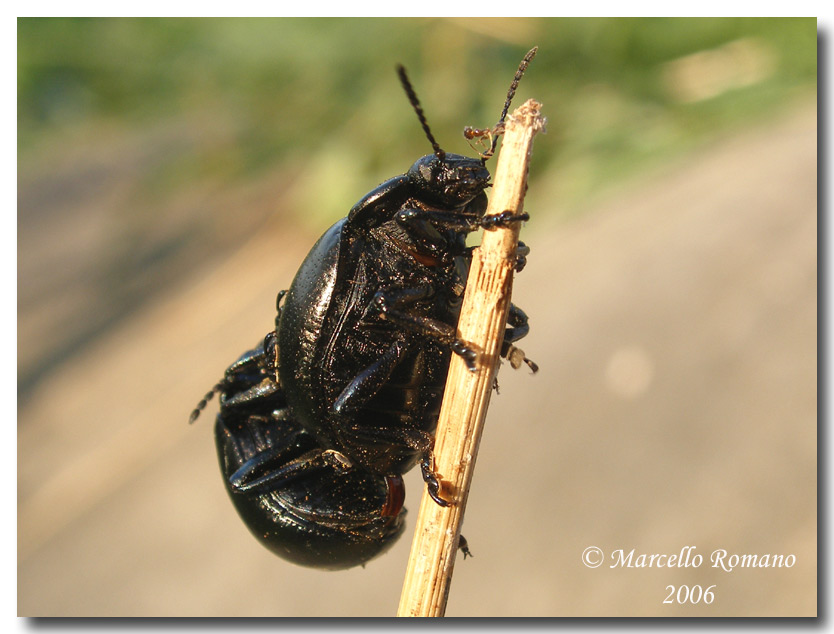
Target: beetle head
{"type": "Point", "coordinates": [451, 181]}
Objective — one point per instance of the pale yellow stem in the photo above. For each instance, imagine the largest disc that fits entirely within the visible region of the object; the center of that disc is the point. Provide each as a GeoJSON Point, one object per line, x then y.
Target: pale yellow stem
{"type": "Point", "coordinates": [482, 321]}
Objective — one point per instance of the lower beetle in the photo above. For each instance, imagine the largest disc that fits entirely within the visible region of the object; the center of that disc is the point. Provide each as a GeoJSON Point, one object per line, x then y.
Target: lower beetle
{"type": "Point", "coordinates": [305, 503]}
{"type": "Point", "coordinates": [319, 422]}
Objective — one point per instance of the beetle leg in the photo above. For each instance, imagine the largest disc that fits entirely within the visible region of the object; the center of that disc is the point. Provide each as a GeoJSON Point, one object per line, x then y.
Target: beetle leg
{"type": "Point", "coordinates": [468, 354]}
{"type": "Point", "coordinates": [521, 254]}
{"type": "Point", "coordinates": [391, 305]}
{"type": "Point", "coordinates": [259, 394]}
{"type": "Point", "coordinates": [424, 225]}
{"type": "Point", "coordinates": [463, 546]}
{"type": "Point", "coordinates": [418, 220]}
{"type": "Point", "coordinates": [368, 382]}
{"type": "Point", "coordinates": [418, 440]}
{"type": "Point", "coordinates": [427, 226]}
{"type": "Point", "coordinates": [248, 369]}
{"type": "Point", "coordinates": [250, 379]}
{"type": "Point", "coordinates": [357, 394]}
{"type": "Point", "coordinates": [268, 469]}
{"type": "Point", "coordinates": [517, 328]}
{"type": "Point", "coordinates": [516, 357]}
{"type": "Point", "coordinates": [265, 467]}
{"type": "Point", "coordinates": [278, 309]}
{"type": "Point", "coordinates": [503, 219]}
{"type": "Point", "coordinates": [270, 346]}
{"type": "Point", "coordinates": [432, 480]}
{"type": "Point", "coordinates": [517, 325]}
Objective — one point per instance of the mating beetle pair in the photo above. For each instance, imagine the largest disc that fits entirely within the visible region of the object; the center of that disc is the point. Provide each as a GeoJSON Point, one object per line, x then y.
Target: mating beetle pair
{"type": "Point", "coordinates": [318, 423]}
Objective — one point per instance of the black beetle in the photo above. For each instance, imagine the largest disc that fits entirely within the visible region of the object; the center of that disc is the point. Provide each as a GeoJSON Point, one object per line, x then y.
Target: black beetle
{"type": "Point", "coordinates": [319, 422]}
{"type": "Point", "coordinates": [303, 502]}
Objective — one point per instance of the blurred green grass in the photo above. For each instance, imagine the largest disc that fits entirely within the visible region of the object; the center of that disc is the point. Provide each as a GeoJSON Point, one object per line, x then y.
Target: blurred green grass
{"type": "Point", "coordinates": [291, 86]}
{"type": "Point", "coordinates": [150, 147]}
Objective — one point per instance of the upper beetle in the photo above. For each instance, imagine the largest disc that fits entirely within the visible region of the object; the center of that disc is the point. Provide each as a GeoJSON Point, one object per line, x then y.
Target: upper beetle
{"type": "Point", "coordinates": [369, 322]}
{"type": "Point", "coordinates": [318, 423]}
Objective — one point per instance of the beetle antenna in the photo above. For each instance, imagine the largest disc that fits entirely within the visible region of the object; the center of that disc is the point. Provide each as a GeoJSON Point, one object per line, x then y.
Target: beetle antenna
{"type": "Point", "coordinates": [204, 402]}
{"type": "Point", "coordinates": [415, 103]}
{"type": "Point", "coordinates": [511, 93]}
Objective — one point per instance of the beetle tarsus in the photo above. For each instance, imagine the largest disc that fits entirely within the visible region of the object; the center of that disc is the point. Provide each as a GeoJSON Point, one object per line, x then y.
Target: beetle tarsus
{"type": "Point", "coordinates": [521, 253]}
{"type": "Point", "coordinates": [516, 357]}
{"type": "Point", "coordinates": [463, 546]}
{"type": "Point", "coordinates": [504, 219]}
{"type": "Point", "coordinates": [469, 356]}
{"type": "Point", "coordinates": [432, 480]}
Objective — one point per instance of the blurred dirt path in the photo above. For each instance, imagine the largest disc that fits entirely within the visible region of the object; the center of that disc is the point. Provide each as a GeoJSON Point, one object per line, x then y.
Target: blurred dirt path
{"type": "Point", "coordinates": [676, 331]}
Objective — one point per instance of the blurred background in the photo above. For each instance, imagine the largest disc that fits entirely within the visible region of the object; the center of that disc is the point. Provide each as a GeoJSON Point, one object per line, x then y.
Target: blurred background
{"type": "Point", "coordinates": [173, 173]}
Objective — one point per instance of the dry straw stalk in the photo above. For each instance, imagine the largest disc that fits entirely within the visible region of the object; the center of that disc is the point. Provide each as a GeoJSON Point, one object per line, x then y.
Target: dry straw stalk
{"type": "Point", "coordinates": [482, 322]}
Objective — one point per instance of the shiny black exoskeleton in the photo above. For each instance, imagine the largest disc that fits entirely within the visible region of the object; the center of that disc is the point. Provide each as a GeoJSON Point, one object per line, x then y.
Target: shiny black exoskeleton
{"type": "Point", "coordinates": [368, 325]}
{"type": "Point", "coordinates": [319, 422]}
{"type": "Point", "coordinates": [303, 502]}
